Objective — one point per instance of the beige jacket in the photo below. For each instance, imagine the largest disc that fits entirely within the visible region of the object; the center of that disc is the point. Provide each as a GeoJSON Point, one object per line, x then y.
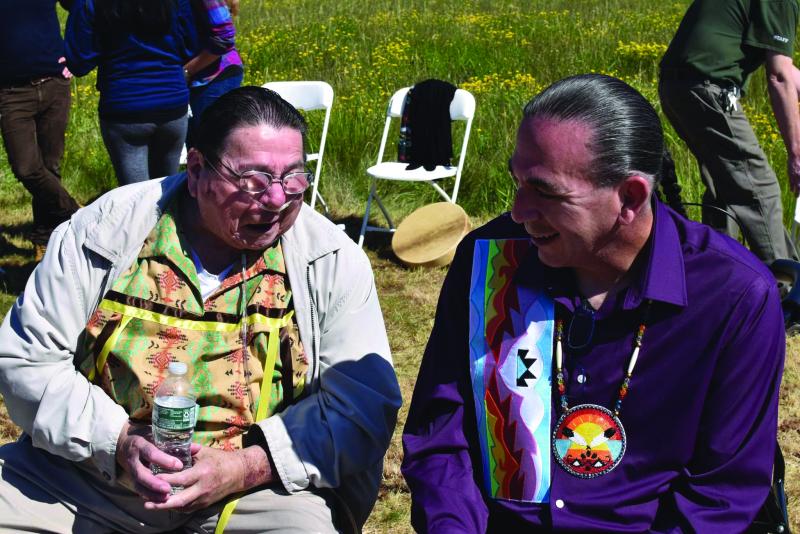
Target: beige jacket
{"type": "Point", "coordinates": [334, 438]}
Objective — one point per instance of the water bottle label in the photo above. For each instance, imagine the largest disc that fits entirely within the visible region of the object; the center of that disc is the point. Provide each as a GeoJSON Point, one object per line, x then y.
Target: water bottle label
{"type": "Point", "coordinates": [175, 418]}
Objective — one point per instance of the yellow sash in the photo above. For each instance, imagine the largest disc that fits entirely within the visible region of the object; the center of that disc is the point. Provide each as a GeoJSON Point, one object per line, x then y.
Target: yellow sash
{"type": "Point", "coordinates": [273, 326]}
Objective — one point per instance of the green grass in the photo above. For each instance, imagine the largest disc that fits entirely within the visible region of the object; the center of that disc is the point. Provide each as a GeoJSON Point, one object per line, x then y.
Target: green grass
{"type": "Point", "coordinates": [503, 51]}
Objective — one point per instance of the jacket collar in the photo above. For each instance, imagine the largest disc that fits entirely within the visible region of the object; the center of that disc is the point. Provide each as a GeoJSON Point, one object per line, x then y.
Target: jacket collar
{"type": "Point", "coordinates": [312, 236]}
{"type": "Point", "coordinates": [126, 215]}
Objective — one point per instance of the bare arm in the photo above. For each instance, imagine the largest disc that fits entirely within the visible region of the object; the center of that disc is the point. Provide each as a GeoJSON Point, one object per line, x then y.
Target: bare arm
{"type": "Point", "coordinates": [199, 62]}
{"type": "Point", "coordinates": [782, 80]}
{"type": "Point", "coordinates": [221, 39]}
{"type": "Point", "coordinates": [796, 80]}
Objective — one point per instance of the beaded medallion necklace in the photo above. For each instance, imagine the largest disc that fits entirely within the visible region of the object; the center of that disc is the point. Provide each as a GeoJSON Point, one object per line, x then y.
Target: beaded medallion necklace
{"type": "Point", "coordinates": [589, 439]}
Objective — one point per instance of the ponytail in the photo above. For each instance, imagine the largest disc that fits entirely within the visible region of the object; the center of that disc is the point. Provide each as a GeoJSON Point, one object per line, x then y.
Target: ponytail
{"type": "Point", "coordinates": [670, 188]}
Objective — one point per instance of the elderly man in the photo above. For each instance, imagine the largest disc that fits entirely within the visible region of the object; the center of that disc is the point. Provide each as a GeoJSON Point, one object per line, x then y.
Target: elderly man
{"type": "Point", "coordinates": [597, 363]}
{"type": "Point", "coordinates": [271, 306]}
{"type": "Point", "coordinates": [705, 70]}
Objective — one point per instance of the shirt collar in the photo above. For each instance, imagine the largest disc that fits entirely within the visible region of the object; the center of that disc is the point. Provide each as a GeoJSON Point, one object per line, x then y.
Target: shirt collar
{"type": "Point", "coordinates": [168, 242]}
{"type": "Point", "coordinates": [663, 278]}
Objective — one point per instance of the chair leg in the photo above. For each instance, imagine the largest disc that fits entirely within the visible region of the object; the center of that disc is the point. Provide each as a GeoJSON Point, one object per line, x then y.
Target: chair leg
{"type": "Point", "coordinates": [385, 213]}
{"type": "Point", "coordinates": [366, 214]}
{"type": "Point", "coordinates": [314, 195]}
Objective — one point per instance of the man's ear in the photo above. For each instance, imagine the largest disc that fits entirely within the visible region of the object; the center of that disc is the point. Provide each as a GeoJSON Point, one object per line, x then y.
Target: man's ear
{"type": "Point", "coordinates": [194, 166]}
{"type": "Point", "coordinates": [634, 194]}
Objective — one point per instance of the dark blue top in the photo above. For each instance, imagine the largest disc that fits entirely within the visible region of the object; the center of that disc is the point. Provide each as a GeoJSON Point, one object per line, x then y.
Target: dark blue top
{"type": "Point", "coordinates": [140, 78]}
{"type": "Point", "coordinates": [30, 41]}
{"type": "Point", "coordinates": [700, 415]}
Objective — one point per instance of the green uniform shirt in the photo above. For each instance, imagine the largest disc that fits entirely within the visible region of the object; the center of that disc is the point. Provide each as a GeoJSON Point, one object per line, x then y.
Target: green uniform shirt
{"type": "Point", "coordinates": [726, 40]}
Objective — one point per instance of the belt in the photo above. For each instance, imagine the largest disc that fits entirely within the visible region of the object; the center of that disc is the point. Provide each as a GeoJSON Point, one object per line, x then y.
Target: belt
{"type": "Point", "coordinates": [692, 78]}
{"type": "Point", "coordinates": [30, 83]}
{"type": "Point", "coordinates": [681, 75]}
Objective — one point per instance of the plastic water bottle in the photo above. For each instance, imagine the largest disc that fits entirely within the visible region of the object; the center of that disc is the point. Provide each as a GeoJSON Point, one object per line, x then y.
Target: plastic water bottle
{"type": "Point", "coordinates": [174, 417]}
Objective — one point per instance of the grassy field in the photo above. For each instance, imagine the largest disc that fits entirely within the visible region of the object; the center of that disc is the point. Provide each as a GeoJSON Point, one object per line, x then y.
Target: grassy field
{"type": "Point", "coordinates": [503, 51]}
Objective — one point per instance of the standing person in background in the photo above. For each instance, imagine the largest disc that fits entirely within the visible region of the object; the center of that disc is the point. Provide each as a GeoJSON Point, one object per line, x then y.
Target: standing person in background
{"type": "Point", "coordinates": [217, 68]}
{"type": "Point", "coordinates": [34, 108]}
{"type": "Point", "coordinates": [139, 47]}
{"type": "Point", "coordinates": [705, 70]}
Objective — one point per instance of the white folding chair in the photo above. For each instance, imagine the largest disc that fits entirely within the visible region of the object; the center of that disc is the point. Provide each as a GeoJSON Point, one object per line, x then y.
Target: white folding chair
{"type": "Point", "coordinates": [462, 108]}
{"type": "Point", "coordinates": [184, 151]}
{"type": "Point", "coordinates": [309, 96]}
{"type": "Point", "coordinates": [794, 232]}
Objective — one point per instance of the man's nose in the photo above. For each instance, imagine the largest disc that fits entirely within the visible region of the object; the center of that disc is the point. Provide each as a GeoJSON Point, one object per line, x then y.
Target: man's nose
{"type": "Point", "coordinates": [524, 208]}
{"type": "Point", "coordinates": [273, 197]}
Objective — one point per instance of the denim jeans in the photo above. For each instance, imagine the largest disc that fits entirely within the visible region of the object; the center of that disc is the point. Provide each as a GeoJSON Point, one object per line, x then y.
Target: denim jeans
{"type": "Point", "coordinates": [202, 97]}
{"type": "Point", "coordinates": [33, 119]}
{"type": "Point", "coordinates": [143, 150]}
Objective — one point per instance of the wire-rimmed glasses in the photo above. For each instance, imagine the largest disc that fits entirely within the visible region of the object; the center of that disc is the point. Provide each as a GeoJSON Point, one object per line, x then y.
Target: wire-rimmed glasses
{"type": "Point", "coordinates": [257, 182]}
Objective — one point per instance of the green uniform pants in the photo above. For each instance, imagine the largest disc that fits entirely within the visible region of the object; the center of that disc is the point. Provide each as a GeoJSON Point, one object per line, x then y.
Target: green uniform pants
{"type": "Point", "coordinates": [734, 169]}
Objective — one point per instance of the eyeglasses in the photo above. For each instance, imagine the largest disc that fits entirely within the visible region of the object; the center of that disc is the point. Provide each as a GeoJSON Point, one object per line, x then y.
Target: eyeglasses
{"type": "Point", "coordinates": [581, 327]}
{"type": "Point", "coordinates": [257, 182]}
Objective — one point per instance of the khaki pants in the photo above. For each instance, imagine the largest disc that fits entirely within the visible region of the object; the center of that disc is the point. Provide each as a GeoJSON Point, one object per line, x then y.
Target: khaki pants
{"type": "Point", "coordinates": [40, 492]}
{"type": "Point", "coordinates": [734, 169]}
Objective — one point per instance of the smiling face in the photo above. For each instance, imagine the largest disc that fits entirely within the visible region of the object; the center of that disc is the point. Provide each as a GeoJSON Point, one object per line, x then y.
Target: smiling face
{"type": "Point", "coordinates": [238, 219]}
{"type": "Point", "coordinates": [569, 219]}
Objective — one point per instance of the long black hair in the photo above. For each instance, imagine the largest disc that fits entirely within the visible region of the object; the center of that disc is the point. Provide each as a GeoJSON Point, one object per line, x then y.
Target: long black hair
{"type": "Point", "coordinates": [627, 135]}
{"type": "Point", "coordinates": [139, 17]}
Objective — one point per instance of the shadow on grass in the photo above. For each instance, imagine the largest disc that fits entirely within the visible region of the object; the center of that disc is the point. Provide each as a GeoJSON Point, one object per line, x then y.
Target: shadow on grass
{"type": "Point", "coordinates": [378, 242]}
{"type": "Point", "coordinates": [21, 229]}
{"type": "Point", "coordinates": [17, 264]}
{"type": "Point", "coordinates": [10, 249]}
{"type": "Point", "coordinates": [14, 276]}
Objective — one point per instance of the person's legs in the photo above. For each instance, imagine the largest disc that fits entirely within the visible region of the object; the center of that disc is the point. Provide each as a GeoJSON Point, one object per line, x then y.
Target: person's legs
{"type": "Point", "coordinates": [25, 507]}
{"type": "Point", "coordinates": [51, 124]}
{"type": "Point", "coordinates": [271, 510]}
{"type": "Point", "coordinates": [736, 171]}
{"type": "Point", "coordinates": [202, 97]}
{"type": "Point", "coordinates": [127, 147]}
{"type": "Point", "coordinates": [673, 97]}
{"type": "Point", "coordinates": [164, 147]}
{"type": "Point", "coordinates": [40, 492]}
{"type": "Point", "coordinates": [756, 196]}
{"type": "Point", "coordinates": [33, 121]}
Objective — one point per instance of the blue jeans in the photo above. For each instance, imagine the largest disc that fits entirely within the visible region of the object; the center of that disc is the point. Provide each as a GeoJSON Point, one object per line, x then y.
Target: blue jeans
{"type": "Point", "coordinates": [143, 150]}
{"type": "Point", "coordinates": [202, 97]}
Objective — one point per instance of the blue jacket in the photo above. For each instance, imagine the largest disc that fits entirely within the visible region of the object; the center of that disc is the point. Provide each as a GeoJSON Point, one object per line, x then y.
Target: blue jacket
{"type": "Point", "coordinates": [140, 78]}
{"type": "Point", "coordinates": [30, 41]}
